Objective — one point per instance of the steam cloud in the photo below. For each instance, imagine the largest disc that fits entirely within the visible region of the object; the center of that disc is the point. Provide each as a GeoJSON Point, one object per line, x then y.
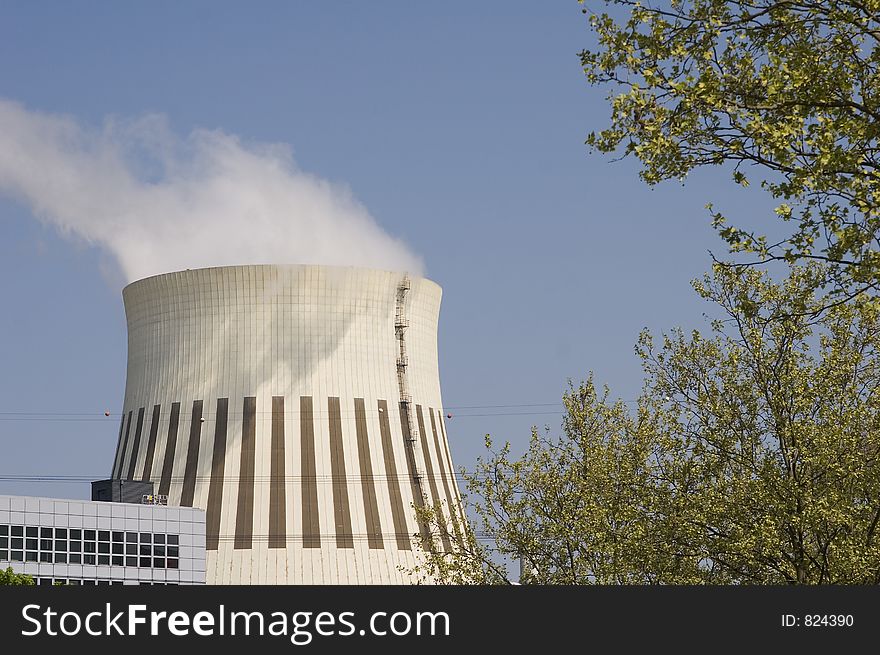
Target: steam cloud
{"type": "Point", "coordinates": [158, 203]}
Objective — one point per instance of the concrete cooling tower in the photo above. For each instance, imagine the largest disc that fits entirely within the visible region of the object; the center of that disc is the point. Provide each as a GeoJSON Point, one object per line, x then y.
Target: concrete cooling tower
{"type": "Point", "coordinates": [300, 407]}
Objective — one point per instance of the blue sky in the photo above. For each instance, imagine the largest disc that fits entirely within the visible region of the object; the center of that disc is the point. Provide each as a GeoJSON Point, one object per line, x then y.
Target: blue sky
{"type": "Point", "coordinates": [459, 126]}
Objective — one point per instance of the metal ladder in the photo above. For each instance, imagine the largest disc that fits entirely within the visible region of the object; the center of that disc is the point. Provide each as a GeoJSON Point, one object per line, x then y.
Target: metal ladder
{"type": "Point", "coordinates": [401, 323]}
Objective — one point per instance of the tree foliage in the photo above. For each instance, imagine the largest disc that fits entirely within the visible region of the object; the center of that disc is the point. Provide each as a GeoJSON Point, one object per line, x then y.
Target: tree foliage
{"type": "Point", "coordinates": [752, 456]}
{"type": "Point", "coordinates": [10, 577]}
{"type": "Point", "coordinates": [785, 91]}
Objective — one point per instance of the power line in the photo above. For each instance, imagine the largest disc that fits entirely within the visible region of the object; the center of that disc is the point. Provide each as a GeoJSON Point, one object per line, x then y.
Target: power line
{"type": "Point", "coordinates": [503, 406]}
{"type": "Point", "coordinates": [101, 415]}
{"type": "Point", "coordinates": [57, 418]}
{"type": "Point", "coordinates": [235, 479]}
{"type": "Point", "coordinates": [49, 413]}
{"type": "Point", "coordinates": [104, 415]}
{"type": "Point", "coordinates": [509, 414]}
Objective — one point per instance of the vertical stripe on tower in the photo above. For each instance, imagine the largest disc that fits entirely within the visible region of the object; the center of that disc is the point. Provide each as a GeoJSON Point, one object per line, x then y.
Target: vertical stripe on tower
{"type": "Point", "coordinates": [397, 516]}
{"type": "Point", "coordinates": [311, 529]}
{"type": "Point", "coordinates": [432, 480]}
{"type": "Point", "coordinates": [170, 447]}
{"type": "Point", "coordinates": [118, 472]}
{"type": "Point", "coordinates": [218, 469]}
{"type": "Point", "coordinates": [450, 499]}
{"type": "Point", "coordinates": [277, 517]}
{"type": "Point", "coordinates": [244, 517]}
{"type": "Point", "coordinates": [418, 498]}
{"type": "Point", "coordinates": [151, 444]}
{"type": "Point", "coordinates": [457, 496]}
{"type": "Point", "coordinates": [368, 483]}
{"type": "Point", "coordinates": [118, 448]}
{"type": "Point", "coordinates": [446, 451]}
{"type": "Point", "coordinates": [192, 456]}
{"type": "Point", "coordinates": [135, 447]}
{"type": "Point", "coordinates": [341, 511]}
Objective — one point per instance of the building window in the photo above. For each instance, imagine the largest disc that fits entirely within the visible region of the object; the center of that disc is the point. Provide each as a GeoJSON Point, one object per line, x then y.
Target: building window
{"type": "Point", "coordinates": [77, 546]}
{"type": "Point", "coordinates": [76, 582]}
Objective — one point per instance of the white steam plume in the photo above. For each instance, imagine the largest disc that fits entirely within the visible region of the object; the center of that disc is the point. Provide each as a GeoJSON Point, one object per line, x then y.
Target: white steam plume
{"type": "Point", "coordinates": [158, 203]}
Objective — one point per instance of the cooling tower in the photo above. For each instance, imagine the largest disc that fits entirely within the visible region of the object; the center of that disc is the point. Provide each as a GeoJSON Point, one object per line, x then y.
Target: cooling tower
{"type": "Point", "coordinates": [300, 407]}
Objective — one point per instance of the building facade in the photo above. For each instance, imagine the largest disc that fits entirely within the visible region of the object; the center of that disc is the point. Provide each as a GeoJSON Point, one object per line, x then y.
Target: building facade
{"type": "Point", "coordinates": [84, 542]}
{"type": "Point", "coordinates": [300, 407]}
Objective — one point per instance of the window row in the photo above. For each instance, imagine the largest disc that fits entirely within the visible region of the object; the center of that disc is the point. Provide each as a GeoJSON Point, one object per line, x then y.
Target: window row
{"type": "Point", "coordinates": [100, 547]}
{"type": "Point", "coordinates": [86, 558]}
{"type": "Point", "coordinates": [112, 536]}
{"type": "Point", "coordinates": [75, 582]}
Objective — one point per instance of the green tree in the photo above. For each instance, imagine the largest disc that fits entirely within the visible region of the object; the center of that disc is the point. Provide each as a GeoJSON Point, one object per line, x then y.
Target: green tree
{"type": "Point", "coordinates": [10, 577]}
{"type": "Point", "coordinates": [787, 92]}
{"type": "Point", "coordinates": [751, 456]}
